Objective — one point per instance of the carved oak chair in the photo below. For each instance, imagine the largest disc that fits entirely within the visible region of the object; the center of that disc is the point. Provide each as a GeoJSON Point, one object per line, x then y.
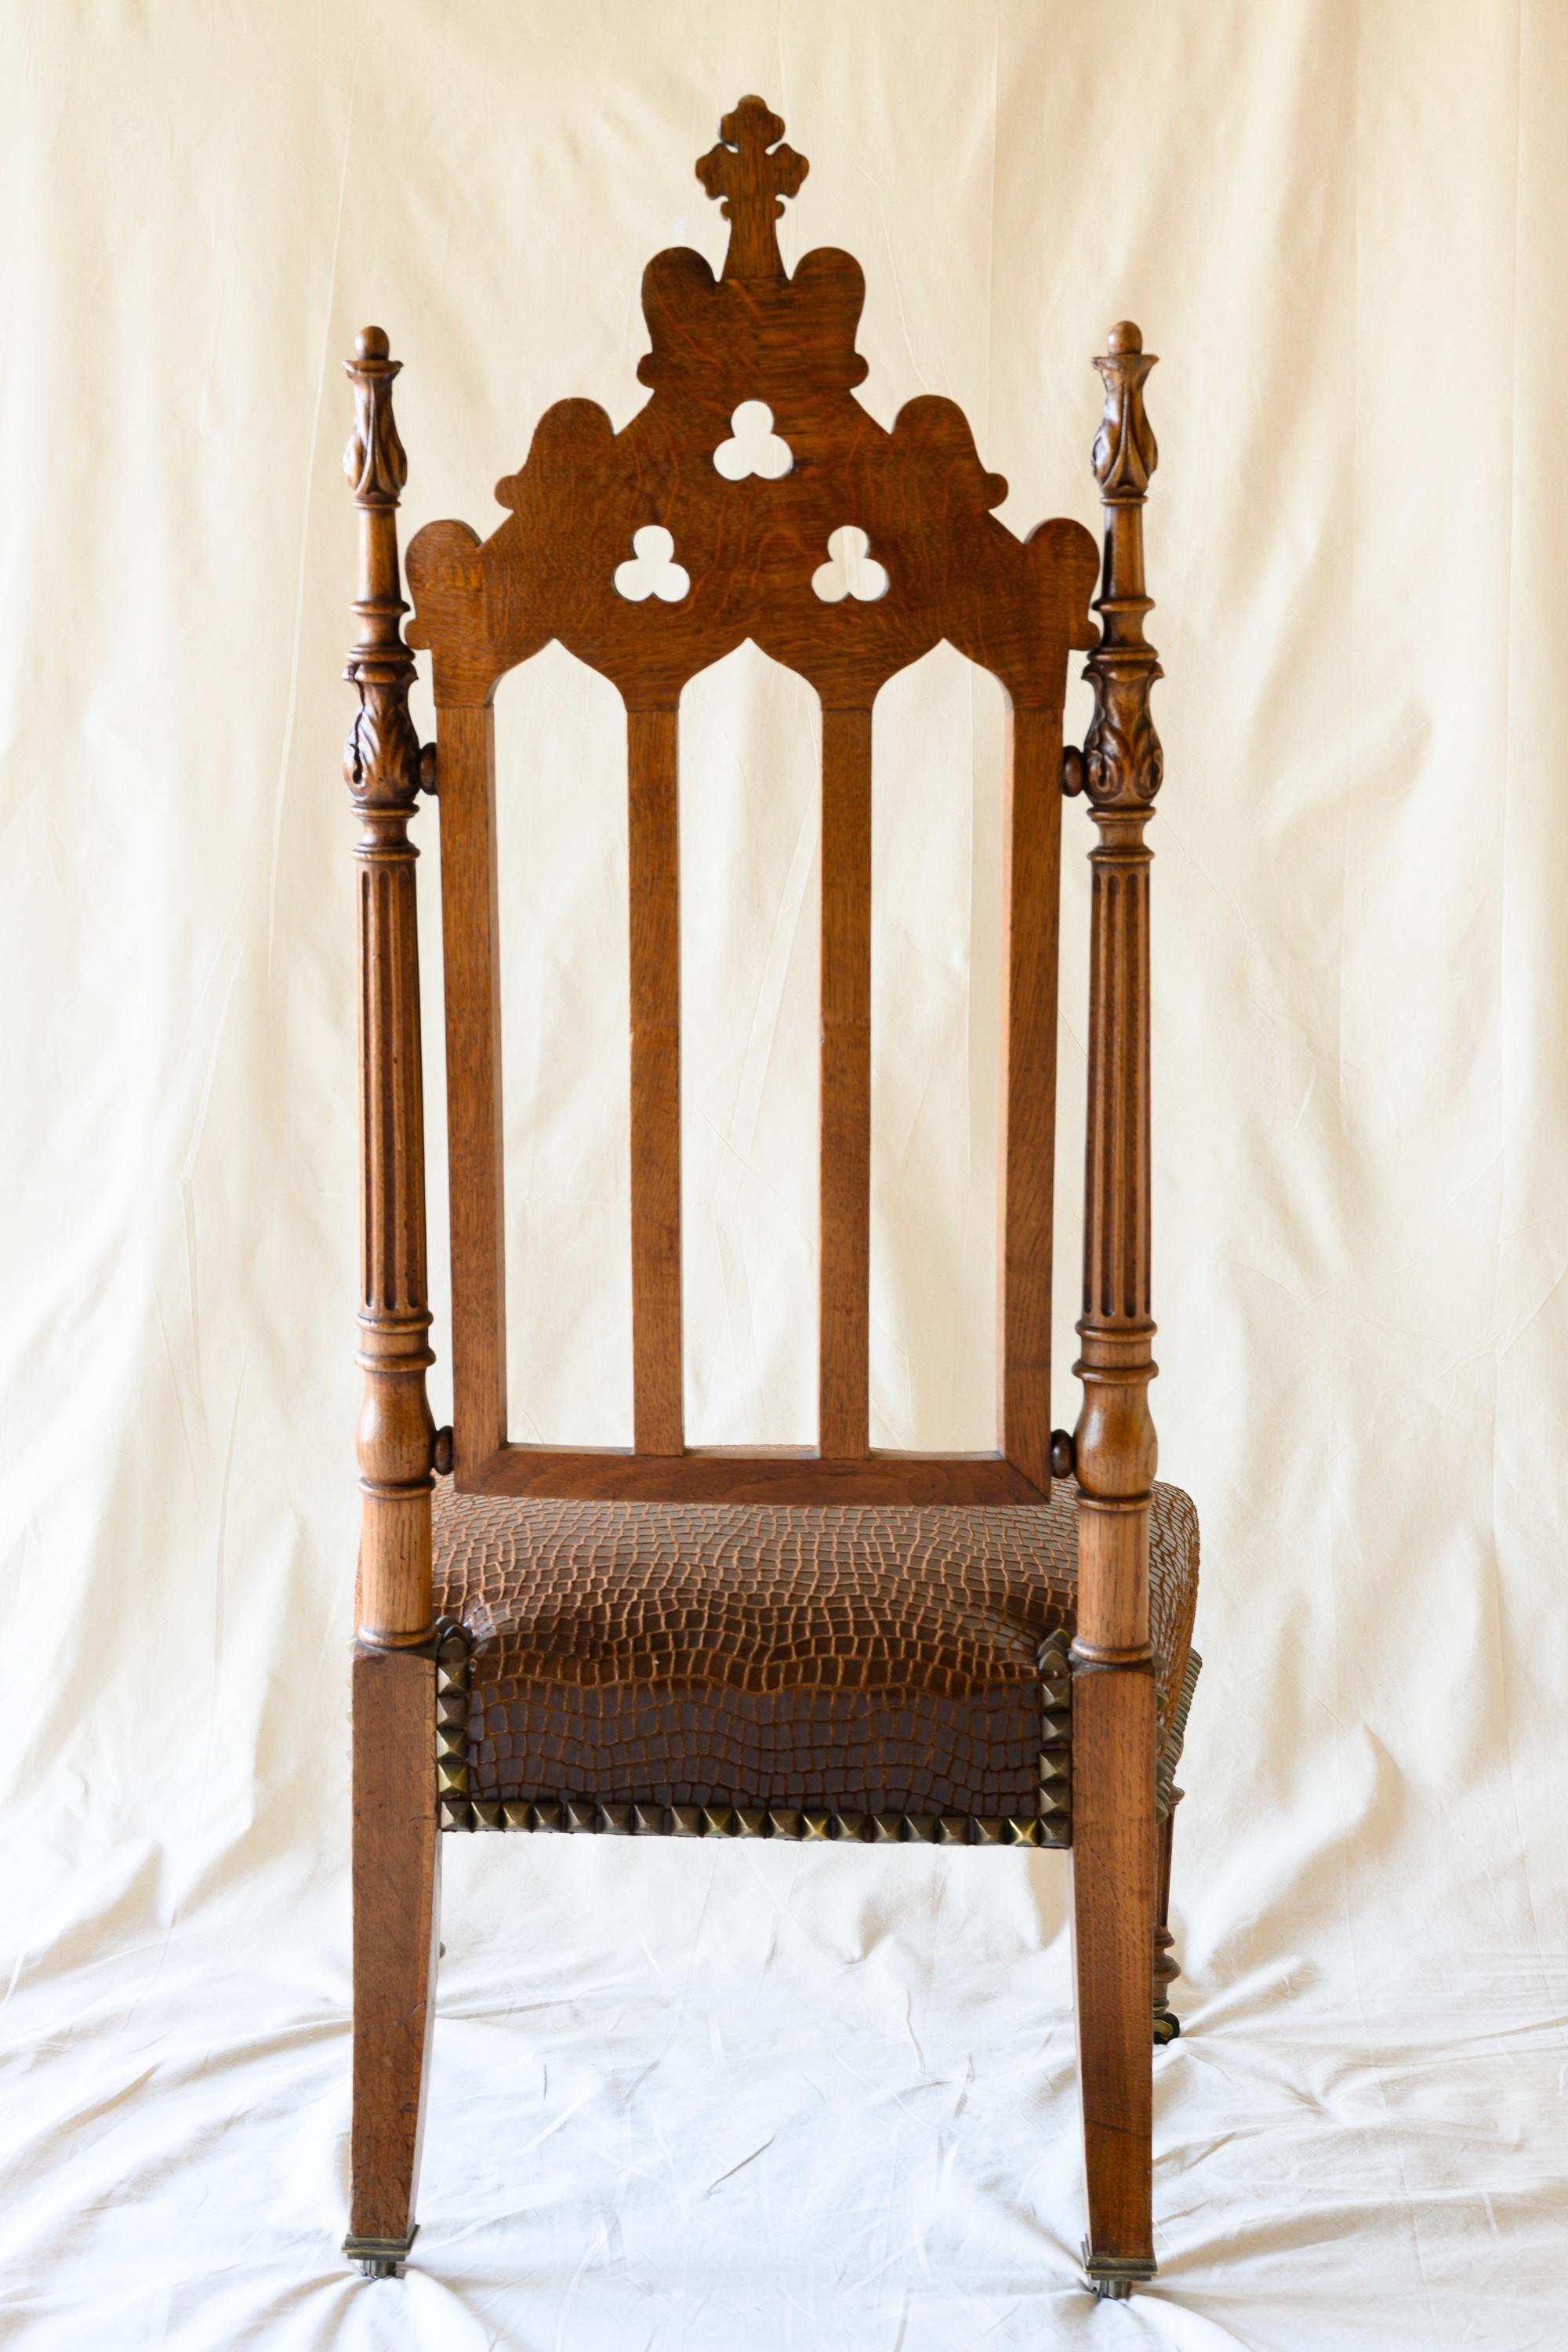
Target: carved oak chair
{"type": "Point", "coordinates": [837, 1642]}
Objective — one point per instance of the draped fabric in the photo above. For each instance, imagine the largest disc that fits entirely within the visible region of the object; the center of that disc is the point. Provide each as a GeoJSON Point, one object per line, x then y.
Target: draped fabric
{"type": "Point", "coordinates": [695, 2095]}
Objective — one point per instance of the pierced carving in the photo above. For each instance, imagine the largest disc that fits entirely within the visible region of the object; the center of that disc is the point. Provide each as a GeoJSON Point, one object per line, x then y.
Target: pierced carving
{"type": "Point", "coordinates": [919, 492]}
{"type": "Point", "coordinates": [750, 170]}
{"type": "Point", "coordinates": [651, 570]}
{"type": "Point", "coordinates": [850, 569]}
{"type": "Point", "coordinates": [753, 448]}
{"type": "Point", "coordinates": [1125, 453]}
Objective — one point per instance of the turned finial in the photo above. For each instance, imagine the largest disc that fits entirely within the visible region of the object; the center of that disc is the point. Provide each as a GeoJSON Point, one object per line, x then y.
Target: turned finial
{"type": "Point", "coordinates": [1125, 452]}
{"type": "Point", "coordinates": [752, 171]}
{"type": "Point", "coordinates": [374, 462]}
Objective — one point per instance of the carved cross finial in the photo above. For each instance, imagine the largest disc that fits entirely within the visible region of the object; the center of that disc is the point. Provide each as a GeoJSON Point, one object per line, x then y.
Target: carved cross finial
{"type": "Point", "coordinates": [750, 170]}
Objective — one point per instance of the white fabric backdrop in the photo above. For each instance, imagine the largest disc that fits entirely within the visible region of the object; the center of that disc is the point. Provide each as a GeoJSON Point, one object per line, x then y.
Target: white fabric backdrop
{"type": "Point", "coordinates": [687, 2098]}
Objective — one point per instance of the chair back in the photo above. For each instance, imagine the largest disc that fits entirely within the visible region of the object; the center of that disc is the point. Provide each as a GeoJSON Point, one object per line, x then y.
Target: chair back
{"type": "Point", "coordinates": [752, 498]}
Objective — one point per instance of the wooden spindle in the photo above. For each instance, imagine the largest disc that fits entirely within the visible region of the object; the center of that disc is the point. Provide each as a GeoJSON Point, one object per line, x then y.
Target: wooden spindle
{"type": "Point", "coordinates": [1113, 1698]}
{"type": "Point", "coordinates": [1031, 832]}
{"type": "Point", "coordinates": [382, 765]}
{"type": "Point", "coordinates": [845, 1173]}
{"type": "Point", "coordinates": [658, 1415]}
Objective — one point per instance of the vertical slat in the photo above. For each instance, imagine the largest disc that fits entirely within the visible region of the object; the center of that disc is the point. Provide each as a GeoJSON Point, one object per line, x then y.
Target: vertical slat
{"type": "Point", "coordinates": [469, 931]}
{"type": "Point", "coordinates": [844, 1272]}
{"type": "Point", "coordinates": [1032, 834]}
{"type": "Point", "coordinates": [654, 866]}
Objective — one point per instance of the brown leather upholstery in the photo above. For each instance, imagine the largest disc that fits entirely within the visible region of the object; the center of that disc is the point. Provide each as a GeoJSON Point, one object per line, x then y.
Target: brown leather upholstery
{"type": "Point", "coordinates": [865, 1658]}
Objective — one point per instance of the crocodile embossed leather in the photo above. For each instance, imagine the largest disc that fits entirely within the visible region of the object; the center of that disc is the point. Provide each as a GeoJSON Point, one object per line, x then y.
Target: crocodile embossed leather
{"type": "Point", "coordinates": [861, 1659]}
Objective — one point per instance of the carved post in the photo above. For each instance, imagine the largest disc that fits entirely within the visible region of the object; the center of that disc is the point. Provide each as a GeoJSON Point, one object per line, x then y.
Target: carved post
{"type": "Point", "coordinates": [1113, 1699]}
{"type": "Point", "coordinates": [382, 764]}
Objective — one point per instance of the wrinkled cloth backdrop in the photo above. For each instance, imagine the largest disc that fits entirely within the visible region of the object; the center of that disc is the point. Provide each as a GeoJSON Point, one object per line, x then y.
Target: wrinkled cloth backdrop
{"type": "Point", "coordinates": [695, 2098]}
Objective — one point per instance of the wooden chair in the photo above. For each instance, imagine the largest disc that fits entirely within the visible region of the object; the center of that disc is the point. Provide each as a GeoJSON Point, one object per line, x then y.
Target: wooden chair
{"type": "Point", "coordinates": [830, 1642]}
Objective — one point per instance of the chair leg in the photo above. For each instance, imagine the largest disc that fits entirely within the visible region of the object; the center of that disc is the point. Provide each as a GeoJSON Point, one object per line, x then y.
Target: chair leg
{"type": "Point", "coordinates": [1114, 1914]}
{"type": "Point", "coordinates": [1167, 2024]}
{"type": "Point", "coordinates": [396, 1882]}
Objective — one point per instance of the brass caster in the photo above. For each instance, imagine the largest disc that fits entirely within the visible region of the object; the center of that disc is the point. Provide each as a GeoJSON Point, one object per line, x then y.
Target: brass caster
{"type": "Point", "coordinates": [378, 2258]}
{"type": "Point", "coordinates": [1167, 2027]}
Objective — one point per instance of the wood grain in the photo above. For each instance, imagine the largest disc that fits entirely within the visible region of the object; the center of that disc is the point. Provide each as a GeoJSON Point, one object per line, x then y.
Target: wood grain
{"type": "Point", "coordinates": [845, 1154]}
{"type": "Point", "coordinates": [1114, 1442]}
{"type": "Point", "coordinates": [654, 866]}
{"type": "Point", "coordinates": [1031, 904]}
{"type": "Point", "coordinates": [397, 1877]}
{"type": "Point", "coordinates": [381, 764]}
{"type": "Point", "coordinates": [722, 1473]}
{"type": "Point", "coordinates": [1113, 1869]}
{"type": "Point", "coordinates": [471, 933]}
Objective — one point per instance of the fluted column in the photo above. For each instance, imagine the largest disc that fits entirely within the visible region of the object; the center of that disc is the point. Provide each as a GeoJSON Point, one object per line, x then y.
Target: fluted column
{"type": "Point", "coordinates": [1114, 1445]}
{"type": "Point", "coordinates": [382, 765]}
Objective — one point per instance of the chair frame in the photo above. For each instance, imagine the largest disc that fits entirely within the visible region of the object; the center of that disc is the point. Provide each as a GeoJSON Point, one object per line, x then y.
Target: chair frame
{"type": "Point", "coordinates": [1016, 607]}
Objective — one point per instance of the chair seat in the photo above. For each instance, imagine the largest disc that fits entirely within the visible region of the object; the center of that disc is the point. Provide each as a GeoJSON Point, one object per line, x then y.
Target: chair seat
{"type": "Point", "coordinates": [866, 1660]}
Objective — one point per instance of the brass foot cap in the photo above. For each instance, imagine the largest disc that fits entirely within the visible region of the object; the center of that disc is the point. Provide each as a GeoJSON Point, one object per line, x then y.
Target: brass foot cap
{"type": "Point", "coordinates": [1112, 2277]}
{"type": "Point", "coordinates": [380, 2257]}
{"type": "Point", "coordinates": [1167, 2027]}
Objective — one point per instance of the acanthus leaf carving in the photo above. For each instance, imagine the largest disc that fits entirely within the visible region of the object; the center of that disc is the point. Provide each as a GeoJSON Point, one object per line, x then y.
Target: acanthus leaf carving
{"type": "Point", "coordinates": [375, 464]}
{"type": "Point", "coordinates": [1125, 452]}
{"type": "Point", "coordinates": [1123, 763]}
{"type": "Point", "coordinates": [381, 758]}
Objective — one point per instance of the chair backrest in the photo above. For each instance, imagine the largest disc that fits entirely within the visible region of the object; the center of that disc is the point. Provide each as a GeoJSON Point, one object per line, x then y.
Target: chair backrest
{"type": "Point", "coordinates": [845, 552]}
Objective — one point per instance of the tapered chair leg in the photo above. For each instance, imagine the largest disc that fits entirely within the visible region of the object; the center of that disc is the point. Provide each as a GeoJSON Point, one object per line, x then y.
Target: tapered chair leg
{"type": "Point", "coordinates": [396, 1871]}
{"type": "Point", "coordinates": [1167, 2024]}
{"type": "Point", "coordinates": [1113, 1917]}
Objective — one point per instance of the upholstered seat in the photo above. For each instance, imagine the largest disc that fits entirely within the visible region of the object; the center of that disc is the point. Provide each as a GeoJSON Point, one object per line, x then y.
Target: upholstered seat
{"type": "Point", "coordinates": [861, 1661]}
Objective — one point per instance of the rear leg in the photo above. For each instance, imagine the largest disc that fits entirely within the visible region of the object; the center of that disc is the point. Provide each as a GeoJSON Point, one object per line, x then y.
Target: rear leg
{"type": "Point", "coordinates": [1167, 2024]}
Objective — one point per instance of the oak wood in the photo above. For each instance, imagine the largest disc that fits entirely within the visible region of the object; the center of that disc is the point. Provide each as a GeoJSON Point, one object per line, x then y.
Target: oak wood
{"type": "Point", "coordinates": [1031, 902]}
{"type": "Point", "coordinates": [471, 932]}
{"type": "Point", "coordinates": [653, 867]}
{"type": "Point", "coordinates": [752, 552]}
{"type": "Point", "coordinates": [1114, 1914]}
{"type": "Point", "coordinates": [1114, 1445]}
{"type": "Point", "coordinates": [845, 1154]}
{"type": "Point", "coordinates": [397, 1877]}
{"type": "Point", "coordinates": [723, 1474]}
{"type": "Point", "coordinates": [381, 764]}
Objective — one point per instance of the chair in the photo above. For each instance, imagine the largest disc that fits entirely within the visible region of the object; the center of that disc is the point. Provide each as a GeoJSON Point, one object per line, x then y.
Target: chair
{"type": "Point", "coordinates": [837, 1642]}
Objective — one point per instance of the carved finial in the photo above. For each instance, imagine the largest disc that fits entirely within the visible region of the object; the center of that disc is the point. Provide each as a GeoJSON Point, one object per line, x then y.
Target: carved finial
{"type": "Point", "coordinates": [381, 758]}
{"type": "Point", "coordinates": [1125, 453]}
{"type": "Point", "coordinates": [1122, 763]}
{"type": "Point", "coordinates": [374, 462]}
{"type": "Point", "coordinates": [750, 170]}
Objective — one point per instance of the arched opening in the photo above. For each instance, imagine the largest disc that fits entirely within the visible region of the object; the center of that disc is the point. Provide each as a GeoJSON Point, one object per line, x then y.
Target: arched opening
{"type": "Point", "coordinates": [936, 930]}
{"type": "Point", "coordinates": [561, 838]}
{"type": "Point", "coordinates": [749, 836]}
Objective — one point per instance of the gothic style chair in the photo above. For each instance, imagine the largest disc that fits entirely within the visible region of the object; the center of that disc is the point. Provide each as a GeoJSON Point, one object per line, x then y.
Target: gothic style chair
{"type": "Point", "coordinates": [837, 1640]}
